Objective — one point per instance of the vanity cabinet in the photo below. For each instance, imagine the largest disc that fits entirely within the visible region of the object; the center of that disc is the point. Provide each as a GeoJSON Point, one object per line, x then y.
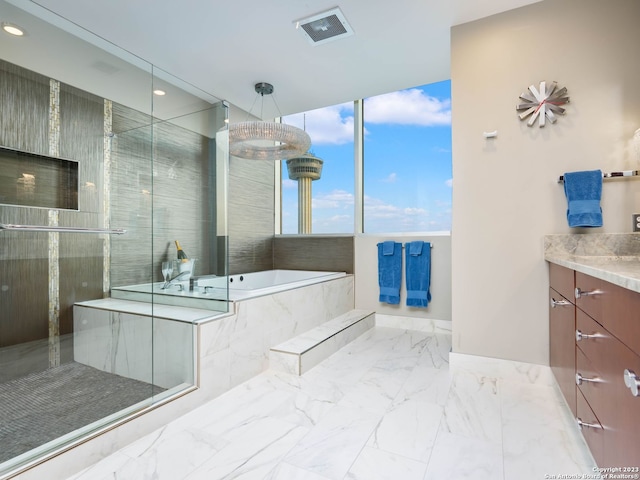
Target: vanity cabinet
{"type": "Point", "coordinates": [606, 347]}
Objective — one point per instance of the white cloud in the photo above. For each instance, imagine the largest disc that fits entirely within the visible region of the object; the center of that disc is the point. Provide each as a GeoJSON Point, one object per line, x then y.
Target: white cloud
{"type": "Point", "coordinates": [449, 183]}
{"type": "Point", "coordinates": [289, 184]}
{"type": "Point", "coordinates": [408, 107]}
{"type": "Point", "coordinates": [415, 211]}
{"type": "Point", "coordinates": [392, 178]}
{"type": "Point", "coordinates": [333, 213]}
{"type": "Point", "coordinates": [335, 199]}
{"type": "Point", "coordinates": [326, 126]}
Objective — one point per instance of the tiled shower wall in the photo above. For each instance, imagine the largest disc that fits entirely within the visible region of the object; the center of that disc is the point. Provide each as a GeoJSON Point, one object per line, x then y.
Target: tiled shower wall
{"type": "Point", "coordinates": [73, 130]}
{"type": "Point", "coordinates": [42, 275]}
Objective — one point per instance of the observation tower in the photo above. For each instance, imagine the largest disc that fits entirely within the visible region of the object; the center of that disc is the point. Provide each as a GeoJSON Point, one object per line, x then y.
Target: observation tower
{"type": "Point", "coordinates": [304, 169]}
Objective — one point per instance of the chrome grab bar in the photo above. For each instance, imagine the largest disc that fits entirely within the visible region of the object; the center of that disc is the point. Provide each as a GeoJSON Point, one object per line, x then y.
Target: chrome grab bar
{"type": "Point", "coordinates": [46, 228]}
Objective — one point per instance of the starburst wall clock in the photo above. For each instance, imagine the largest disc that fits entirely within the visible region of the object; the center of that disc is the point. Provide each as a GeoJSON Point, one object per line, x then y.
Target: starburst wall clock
{"type": "Point", "coordinates": [543, 103]}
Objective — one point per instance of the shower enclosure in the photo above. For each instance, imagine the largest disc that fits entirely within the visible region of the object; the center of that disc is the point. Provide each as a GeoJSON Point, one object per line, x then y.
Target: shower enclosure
{"type": "Point", "coordinates": [98, 177]}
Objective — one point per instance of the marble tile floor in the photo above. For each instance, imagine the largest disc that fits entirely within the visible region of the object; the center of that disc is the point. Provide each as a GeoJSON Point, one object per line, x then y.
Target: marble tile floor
{"type": "Point", "coordinates": [390, 405]}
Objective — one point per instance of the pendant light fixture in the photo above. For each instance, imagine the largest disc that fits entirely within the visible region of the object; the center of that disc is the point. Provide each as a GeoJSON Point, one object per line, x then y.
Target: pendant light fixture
{"type": "Point", "coordinates": [252, 139]}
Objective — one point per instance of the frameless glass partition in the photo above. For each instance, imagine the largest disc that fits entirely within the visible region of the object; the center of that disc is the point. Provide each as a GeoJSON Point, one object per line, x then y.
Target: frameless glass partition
{"type": "Point", "coordinates": [99, 178]}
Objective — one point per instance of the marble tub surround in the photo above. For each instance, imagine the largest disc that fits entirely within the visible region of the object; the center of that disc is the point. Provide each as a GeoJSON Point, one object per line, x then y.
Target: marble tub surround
{"type": "Point", "coordinates": [612, 257]}
{"type": "Point", "coordinates": [115, 335]}
{"type": "Point", "coordinates": [235, 348]}
{"type": "Point", "coordinates": [387, 406]}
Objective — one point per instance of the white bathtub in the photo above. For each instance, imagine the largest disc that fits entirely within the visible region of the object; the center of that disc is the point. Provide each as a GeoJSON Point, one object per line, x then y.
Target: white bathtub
{"type": "Point", "coordinates": [249, 285]}
{"type": "Point", "coordinates": [210, 292]}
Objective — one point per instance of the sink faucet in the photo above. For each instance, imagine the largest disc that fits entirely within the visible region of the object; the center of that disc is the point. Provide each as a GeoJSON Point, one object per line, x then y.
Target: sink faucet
{"type": "Point", "coordinates": [175, 280]}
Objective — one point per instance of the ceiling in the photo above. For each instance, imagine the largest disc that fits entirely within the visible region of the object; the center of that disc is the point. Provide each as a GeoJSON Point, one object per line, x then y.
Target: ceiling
{"type": "Point", "coordinates": [225, 47]}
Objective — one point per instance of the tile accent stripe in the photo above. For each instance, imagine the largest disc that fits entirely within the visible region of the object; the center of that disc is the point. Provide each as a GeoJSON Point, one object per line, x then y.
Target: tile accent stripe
{"type": "Point", "coordinates": [54, 118]}
{"type": "Point", "coordinates": [54, 292]}
{"type": "Point", "coordinates": [106, 195]}
{"type": "Point", "coordinates": [53, 245]}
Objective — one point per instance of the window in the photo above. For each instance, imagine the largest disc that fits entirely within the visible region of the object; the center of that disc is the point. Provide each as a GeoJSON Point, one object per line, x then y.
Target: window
{"type": "Point", "coordinates": [406, 166]}
{"type": "Point", "coordinates": [331, 132]}
{"type": "Point", "coordinates": [407, 160]}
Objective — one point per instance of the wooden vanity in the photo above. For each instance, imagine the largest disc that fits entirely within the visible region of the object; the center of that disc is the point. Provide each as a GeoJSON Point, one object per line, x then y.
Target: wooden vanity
{"type": "Point", "coordinates": [594, 339]}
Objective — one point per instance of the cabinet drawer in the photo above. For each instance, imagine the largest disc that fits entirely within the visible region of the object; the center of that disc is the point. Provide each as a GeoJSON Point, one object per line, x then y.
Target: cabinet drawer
{"type": "Point", "coordinates": [622, 418]}
{"type": "Point", "coordinates": [615, 308]}
{"type": "Point", "coordinates": [592, 383]}
{"type": "Point", "coordinates": [591, 428]}
{"type": "Point", "coordinates": [562, 355]}
{"type": "Point", "coordinates": [562, 280]}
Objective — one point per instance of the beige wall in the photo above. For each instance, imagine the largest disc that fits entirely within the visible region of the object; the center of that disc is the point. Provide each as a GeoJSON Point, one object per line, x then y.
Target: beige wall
{"type": "Point", "coordinates": [505, 194]}
{"type": "Point", "coordinates": [366, 270]}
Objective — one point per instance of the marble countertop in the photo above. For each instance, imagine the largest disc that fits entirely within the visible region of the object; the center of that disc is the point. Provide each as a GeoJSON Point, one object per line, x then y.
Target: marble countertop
{"type": "Point", "coordinates": [614, 258]}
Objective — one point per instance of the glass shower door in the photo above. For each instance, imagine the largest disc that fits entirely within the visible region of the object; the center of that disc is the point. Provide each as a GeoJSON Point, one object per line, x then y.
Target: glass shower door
{"type": "Point", "coordinates": [62, 350]}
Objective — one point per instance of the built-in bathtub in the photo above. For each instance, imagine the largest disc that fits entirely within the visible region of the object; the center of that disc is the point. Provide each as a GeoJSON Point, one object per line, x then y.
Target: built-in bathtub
{"type": "Point", "coordinates": [250, 285]}
{"type": "Point", "coordinates": [210, 291]}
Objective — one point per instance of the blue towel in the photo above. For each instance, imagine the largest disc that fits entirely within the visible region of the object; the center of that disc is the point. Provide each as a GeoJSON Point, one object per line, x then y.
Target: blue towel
{"type": "Point", "coordinates": [418, 273]}
{"type": "Point", "coordinates": [388, 247]}
{"type": "Point", "coordinates": [583, 191]}
{"type": "Point", "coordinates": [415, 248]}
{"type": "Point", "coordinates": [389, 272]}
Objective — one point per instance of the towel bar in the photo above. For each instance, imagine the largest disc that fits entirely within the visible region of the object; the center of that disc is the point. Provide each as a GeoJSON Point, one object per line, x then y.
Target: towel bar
{"type": "Point", "coordinates": [46, 228]}
{"type": "Point", "coordinates": [624, 173]}
{"type": "Point", "coordinates": [430, 245]}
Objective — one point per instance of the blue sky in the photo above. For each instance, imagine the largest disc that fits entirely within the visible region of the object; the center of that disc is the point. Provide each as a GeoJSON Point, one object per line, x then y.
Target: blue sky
{"type": "Point", "coordinates": [407, 164]}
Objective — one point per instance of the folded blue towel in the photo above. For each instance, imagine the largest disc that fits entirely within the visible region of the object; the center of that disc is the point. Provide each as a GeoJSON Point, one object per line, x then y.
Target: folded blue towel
{"type": "Point", "coordinates": [390, 272]}
{"type": "Point", "coordinates": [415, 248]}
{"type": "Point", "coordinates": [388, 247]}
{"type": "Point", "coordinates": [583, 191]}
{"type": "Point", "coordinates": [418, 273]}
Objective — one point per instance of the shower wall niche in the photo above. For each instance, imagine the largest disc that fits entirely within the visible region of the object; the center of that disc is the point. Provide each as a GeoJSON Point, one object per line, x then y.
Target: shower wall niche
{"type": "Point", "coordinates": [34, 180]}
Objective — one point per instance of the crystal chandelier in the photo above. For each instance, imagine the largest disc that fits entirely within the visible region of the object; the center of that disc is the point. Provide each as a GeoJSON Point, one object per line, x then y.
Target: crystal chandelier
{"type": "Point", "coordinates": [254, 140]}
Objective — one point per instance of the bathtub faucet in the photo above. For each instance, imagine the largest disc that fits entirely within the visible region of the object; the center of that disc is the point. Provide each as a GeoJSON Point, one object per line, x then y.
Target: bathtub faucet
{"type": "Point", "coordinates": [175, 280]}
{"type": "Point", "coordinates": [194, 282]}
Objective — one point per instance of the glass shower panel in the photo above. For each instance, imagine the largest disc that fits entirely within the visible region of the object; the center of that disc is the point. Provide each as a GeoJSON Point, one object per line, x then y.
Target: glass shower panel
{"type": "Point", "coordinates": [61, 375]}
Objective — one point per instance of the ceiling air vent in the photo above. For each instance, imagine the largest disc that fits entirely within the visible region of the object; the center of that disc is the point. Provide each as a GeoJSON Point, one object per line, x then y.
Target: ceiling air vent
{"type": "Point", "coordinates": [325, 27]}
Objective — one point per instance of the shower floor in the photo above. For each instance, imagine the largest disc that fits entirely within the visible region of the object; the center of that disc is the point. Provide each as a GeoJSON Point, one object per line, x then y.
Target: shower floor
{"type": "Point", "coordinates": [43, 406]}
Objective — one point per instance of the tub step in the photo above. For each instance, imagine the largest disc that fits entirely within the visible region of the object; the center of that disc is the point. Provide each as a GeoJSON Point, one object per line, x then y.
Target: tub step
{"type": "Point", "coordinates": [305, 351]}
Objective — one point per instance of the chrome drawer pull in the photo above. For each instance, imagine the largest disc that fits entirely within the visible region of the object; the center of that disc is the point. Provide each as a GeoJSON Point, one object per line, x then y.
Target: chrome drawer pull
{"type": "Point", "coordinates": [582, 424]}
{"type": "Point", "coordinates": [580, 379]}
{"type": "Point", "coordinates": [584, 336]}
{"type": "Point", "coordinates": [581, 293]}
{"type": "Point", "coordinates": [559, 303]}
{"type": "Point", "coordinates": [632, 382]}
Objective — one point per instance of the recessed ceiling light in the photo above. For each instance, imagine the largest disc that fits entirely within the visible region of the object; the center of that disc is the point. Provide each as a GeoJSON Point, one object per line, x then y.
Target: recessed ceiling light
{"type": "Point", "coordinates": [159, 92]}
{"type": "Point", "coordinates": [12, 29]}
